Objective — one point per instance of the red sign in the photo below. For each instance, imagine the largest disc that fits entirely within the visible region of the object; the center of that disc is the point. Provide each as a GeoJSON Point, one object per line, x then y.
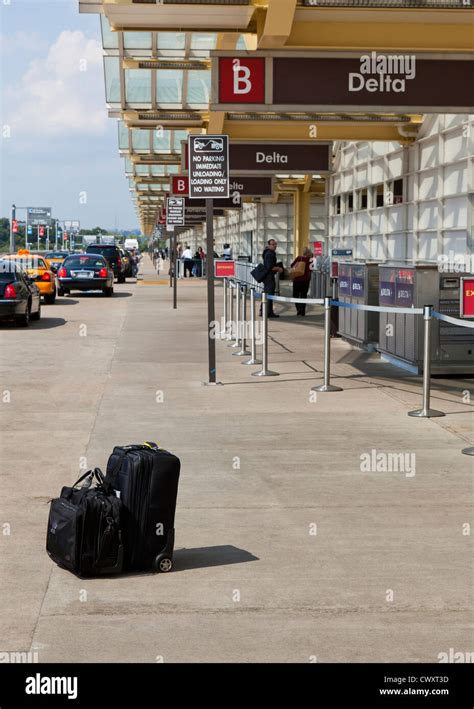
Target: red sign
{"type": "Point", "coordinates": [41, 230]}
{"type": "Point", "coordinates": [224, 269]}
{"type": "Point", "coordinates": [14, 226]}
{"type": "Point", "coordinates": [241, 80]}
{"type": "Point", "coordinates": [467, 297]}
{"type": "Point", "coordinates": [318, 248]}
{"type": "Point", "coordinates": [180, 185]}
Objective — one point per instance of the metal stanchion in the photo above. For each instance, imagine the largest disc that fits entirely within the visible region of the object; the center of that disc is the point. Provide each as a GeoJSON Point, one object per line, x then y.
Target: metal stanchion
{"type": "Point", "coordinates": [231, 320]}
{"type": "Point", "coordinates": [253, 343]}
{"type": "Point", "coordinates": [236, 342]}
{"type": "Point", "coordinates": [468, 451]}
{"type": "Point", "coordinates": [224, 330]}
{"type": "Point", "coordinates": [327, 386]}
{"type": "Point", "coordinates": [425, 411]}
{"type": "Point", "coordinates": [265, 372]}
{"type": "Point", "coordinates": [243, 352]}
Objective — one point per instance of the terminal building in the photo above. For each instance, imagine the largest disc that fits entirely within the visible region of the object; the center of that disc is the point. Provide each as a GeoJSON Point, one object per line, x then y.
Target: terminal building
{"type": "Point", "coordinates": [398, 190]}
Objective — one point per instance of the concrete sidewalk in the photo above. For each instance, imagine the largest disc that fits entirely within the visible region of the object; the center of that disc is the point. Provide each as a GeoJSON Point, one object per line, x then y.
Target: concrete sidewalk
{"type": "Point", "coordinates": [285, 550]}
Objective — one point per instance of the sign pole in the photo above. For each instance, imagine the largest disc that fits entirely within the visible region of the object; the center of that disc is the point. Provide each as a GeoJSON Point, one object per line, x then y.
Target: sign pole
{"type": "Point", "coordinates": [12, 233]}
{"type": "Point", "coordinates": [211, 310]}
{"type": "Point", "coordinates": [175, 274]}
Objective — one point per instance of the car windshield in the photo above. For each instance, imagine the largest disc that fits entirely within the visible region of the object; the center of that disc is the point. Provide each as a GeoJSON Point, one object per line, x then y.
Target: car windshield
{"type": "Point", "coordinates": [107, 251]}
{"type": "Point", "coordinates": [55, 254]}
{"type": "Point", "coordinates": [88, 261]}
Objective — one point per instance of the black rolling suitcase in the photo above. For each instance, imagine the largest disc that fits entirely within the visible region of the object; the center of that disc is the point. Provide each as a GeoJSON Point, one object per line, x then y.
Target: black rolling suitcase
{"type": "Point", "coordinates": [146, 477]}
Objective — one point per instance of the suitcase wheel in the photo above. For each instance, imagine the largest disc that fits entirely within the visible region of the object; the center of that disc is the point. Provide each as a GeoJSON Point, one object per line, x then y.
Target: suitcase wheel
{"type": "Point", "coordinates": [163, 564]}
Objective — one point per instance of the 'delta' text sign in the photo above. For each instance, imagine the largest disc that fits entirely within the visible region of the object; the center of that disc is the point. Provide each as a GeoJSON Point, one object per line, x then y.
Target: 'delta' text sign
{"type": "Point", "coordinates": [208, 158]}
{"type": "Point", "coordinates": [327, 81]}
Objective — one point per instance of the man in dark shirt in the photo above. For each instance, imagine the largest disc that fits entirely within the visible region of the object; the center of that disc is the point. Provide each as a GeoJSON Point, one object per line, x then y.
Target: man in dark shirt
{"type": "Point", "coordinates": [269, 261]}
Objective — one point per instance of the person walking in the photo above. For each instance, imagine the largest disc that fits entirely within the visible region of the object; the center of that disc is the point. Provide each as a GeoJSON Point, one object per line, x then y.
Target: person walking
{"type": "Point", "coordinates": [270, 261]}
{"type": "Point", "coordinates": [187, 257]}
{"type": "Point", "coordinates": [227, 253]}
{"type": "Point", "coordinates": [301, 282]}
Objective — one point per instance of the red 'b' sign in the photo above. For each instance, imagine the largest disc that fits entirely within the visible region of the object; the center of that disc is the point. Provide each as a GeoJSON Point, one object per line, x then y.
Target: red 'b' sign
{"type": "Point", "coordinates": [241, 80]}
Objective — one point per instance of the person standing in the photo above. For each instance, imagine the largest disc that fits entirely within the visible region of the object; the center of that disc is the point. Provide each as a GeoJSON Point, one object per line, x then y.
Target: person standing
{"type": "Point", "coordinates": [227, 253]}
{"type": "Point", "coordinates": [270, 261]}
{"type": "Point", "coordinates": [301, 283]}
{"type": "Point", "coordinates": [187, 257]}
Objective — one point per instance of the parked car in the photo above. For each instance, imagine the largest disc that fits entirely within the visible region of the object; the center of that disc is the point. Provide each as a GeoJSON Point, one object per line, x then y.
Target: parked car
{"type": "Point", "coordinates": [54, 259]}
{"type": "Point", "coordinates": [113, 256]}
{"type": "Point", "coordinates": [20, 297]}
{"type": "Point", "coordinates": [38, 270]}
{"type": "Point", "coordinates": [86, 272]}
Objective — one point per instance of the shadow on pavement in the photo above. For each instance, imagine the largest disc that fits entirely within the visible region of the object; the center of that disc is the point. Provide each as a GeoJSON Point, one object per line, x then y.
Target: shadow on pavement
{"type": "Point", "coordinates": [204, 557]}
{"type": "Point", "coordinates": [44, 324]}
{"type": "Point", "coordinates": [64, 300]}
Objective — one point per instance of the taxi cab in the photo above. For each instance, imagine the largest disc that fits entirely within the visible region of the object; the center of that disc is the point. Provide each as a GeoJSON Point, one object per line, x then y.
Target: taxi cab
{"type": "Point", "coordinates": [55, 259]}
{"type": "Point", "coordinates": [38, 270]}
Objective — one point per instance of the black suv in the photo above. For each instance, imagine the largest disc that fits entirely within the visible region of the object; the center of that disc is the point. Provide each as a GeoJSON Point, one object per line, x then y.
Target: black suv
{"type": "Point", "coordinates": [113, 256]}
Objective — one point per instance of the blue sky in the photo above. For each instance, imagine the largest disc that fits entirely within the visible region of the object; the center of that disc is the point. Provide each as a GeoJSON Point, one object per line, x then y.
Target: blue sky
{"type": "Point", "coordinates": [59, 149]}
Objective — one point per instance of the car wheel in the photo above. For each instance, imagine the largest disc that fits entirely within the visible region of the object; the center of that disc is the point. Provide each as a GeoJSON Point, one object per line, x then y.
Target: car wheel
{"type": "Point", "coordinates": [108, 292]}
{"type": "Point", "coordinates": [61, 291]}
{"type": "Point", "coordinates": [49, 299]}
{"type": "Point", "coordinates": [121, 279]}
{"type": "Point", "coordinates": [24, 320]}
{"type": "Point", "coordinates": [37, 315]}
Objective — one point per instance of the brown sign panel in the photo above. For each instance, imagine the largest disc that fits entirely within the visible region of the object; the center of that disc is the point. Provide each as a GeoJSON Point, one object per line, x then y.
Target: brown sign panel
{"type": "Point", "coordinates": [280, 157]}
{"type": "Point", "coordinates": [327, 81]}
{"type": "Point", "coordinates": [277, 157]}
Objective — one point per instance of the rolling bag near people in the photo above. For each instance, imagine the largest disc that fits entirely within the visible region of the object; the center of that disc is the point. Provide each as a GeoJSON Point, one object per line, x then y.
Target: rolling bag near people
{"type": "Point", "coordinates": [146, 477]}
{"type": "Point", "coordinates": [84, 528]}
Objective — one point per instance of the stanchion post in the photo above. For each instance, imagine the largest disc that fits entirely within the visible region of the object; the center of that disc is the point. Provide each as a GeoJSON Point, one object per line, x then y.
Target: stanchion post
{"type": "Point", "coordinates": [468, 451]}
{"type": "Point", "coordinates": [253, 343]}
{"type": "Point", "coordinates": [243, 352]}
{"type": "Point", "coordinates": [426, 411]}
{"type": "Point", "coordinates": [327, 386]}
{"type": "Point", "coordinates": [224, 331]}
{"type": "Point", "coordinates": [265, 372]}
{"type": "Point", "coordinates": [231, 319]}
{"type": "Point", "coordinates": [236, 342]}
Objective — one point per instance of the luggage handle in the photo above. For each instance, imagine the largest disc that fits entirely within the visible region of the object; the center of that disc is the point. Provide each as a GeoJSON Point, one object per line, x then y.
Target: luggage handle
{"type": "Point", "coordinates": [95, 473]}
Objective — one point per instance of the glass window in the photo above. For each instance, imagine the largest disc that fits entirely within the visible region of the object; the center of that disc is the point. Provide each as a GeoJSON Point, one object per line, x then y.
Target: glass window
{"type": "Point", "coordinates": [128, 166]}
{"type": "Point", "coordinates": [142, 170]}
{"type": "Point", "coordinates": [123, 136]}
{"type": "Point", "coordinates": [162, 142]}
{"type": "Point", "coordinates": [171, 40]}
{"type": "Point", "coordinates": [199, 84]}
{"type": "Point", "coordinates": [109, 38]}
{"type": "Point", "coordinates": [179, 136]}
{"type": "Point", "coordinates": [157, 170]}
{"type": "Point", "coordinates": [140, 139]}
{"type": "Point", "coordinates": [138, 86]}
{"type": "Point", "coordinates": [137, 40]}
{"type": "Point", "coordinates": [168, 86]}
{"type": "Point", "coordinates": [112, 79]}
{"type": "Point", "coordinates": [203, 41]}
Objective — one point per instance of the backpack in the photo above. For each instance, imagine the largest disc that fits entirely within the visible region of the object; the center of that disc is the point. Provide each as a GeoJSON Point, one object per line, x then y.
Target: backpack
{"type": "Point", "coordinates": [84, 527]}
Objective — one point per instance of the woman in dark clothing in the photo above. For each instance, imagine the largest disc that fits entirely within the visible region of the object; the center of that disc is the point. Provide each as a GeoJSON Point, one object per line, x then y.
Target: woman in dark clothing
{"type": "Point", "coordinates": [301, 283]}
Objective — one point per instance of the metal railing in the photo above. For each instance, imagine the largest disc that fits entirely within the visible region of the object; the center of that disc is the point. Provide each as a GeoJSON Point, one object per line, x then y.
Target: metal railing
{"type": "Point", "coordinates": [244, 283]}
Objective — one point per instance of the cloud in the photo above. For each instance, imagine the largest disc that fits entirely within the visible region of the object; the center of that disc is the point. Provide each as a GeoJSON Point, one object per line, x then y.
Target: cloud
{"type": "Point", "coordinates": [60, 95]}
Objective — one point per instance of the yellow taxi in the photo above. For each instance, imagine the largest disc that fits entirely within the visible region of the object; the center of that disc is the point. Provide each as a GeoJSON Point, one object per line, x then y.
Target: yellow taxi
{"type": "Point", "coordinates": [38, 270]}
{"type": "Point", "coordinates": [55, 259]}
